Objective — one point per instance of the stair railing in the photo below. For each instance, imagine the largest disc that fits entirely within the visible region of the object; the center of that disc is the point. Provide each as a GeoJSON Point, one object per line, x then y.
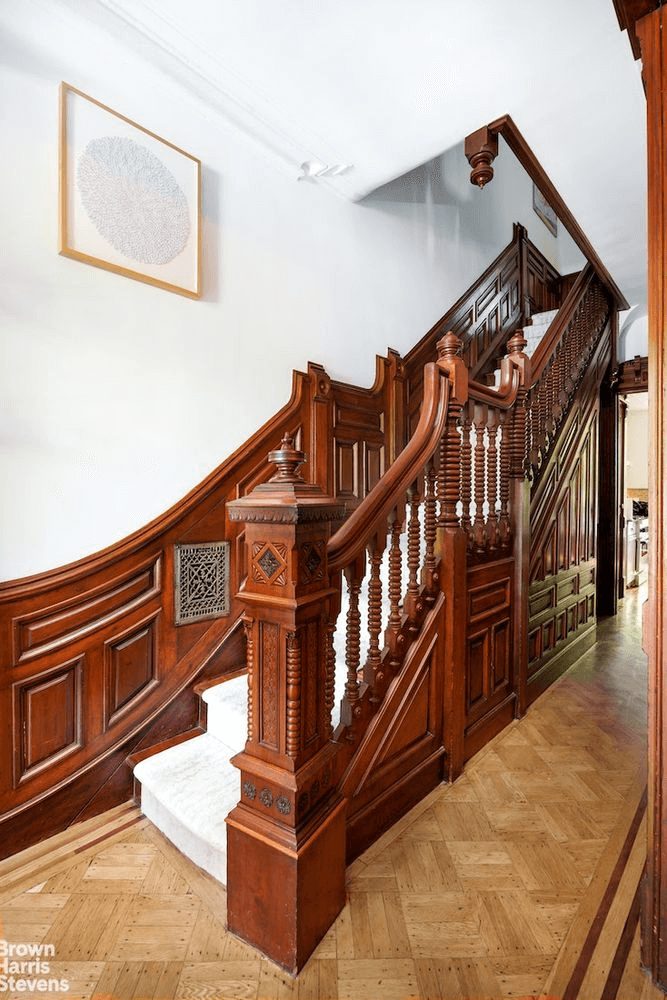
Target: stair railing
{"type": "Point", "coordinates": [559, 363]}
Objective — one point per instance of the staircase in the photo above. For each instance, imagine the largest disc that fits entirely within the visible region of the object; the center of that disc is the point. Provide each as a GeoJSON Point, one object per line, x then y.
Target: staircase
{"type": "Point", "coordinates": [188, 789]}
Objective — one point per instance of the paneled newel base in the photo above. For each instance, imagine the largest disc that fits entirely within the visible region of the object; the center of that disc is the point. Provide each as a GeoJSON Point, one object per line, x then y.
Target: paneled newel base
{"type": "Point", "coordinates": [291, 881]}
{"type": "Point", "coordinates": [286, 837]}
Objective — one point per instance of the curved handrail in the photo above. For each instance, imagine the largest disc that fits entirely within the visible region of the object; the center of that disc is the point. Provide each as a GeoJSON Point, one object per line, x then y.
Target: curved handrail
{"type": "Point", "coordinates": [351, 537]}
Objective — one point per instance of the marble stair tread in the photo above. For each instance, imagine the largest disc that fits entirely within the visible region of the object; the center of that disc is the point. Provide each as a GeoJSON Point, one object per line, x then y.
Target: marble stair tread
{"type": "Point", "coordinates": [227, 711]}
{"type": "Point", "coordinates": [187, 791]}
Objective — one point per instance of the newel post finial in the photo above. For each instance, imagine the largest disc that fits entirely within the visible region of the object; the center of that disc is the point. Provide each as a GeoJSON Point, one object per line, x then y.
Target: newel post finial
{"type": "Point", "coordinates": [449, 350]}
{"type": "Point", "coordinates": [287, 459]}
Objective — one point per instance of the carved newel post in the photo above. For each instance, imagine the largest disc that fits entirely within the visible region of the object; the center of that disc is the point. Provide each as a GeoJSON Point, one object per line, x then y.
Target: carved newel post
{"type": "Point", "coordinates": [286, 836]}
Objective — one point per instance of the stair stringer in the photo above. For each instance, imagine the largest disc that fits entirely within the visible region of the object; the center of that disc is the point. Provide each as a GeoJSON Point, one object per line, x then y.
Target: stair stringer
{"type": "Point", "coordinates": [562, 600]}
{"type": "Point", "coordinates": [401, 755]}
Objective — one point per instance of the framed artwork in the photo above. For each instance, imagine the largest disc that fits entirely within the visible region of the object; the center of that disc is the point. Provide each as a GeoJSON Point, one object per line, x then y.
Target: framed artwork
{"type": "Point", "coordinates": [129, 201]}
{"type": "Point", "coordinates": [545, 211]}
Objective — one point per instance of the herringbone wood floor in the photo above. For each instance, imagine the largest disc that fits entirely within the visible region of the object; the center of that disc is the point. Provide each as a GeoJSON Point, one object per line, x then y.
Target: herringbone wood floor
{"type": "Point", "coordinates": [519, 880]}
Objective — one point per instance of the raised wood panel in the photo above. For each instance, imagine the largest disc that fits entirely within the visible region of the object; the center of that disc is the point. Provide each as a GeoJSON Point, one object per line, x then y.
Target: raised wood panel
{"type": "Point", "coordinates": [489, 670]}
{"type": "Point", "coordinates": [401, 755]}
{"type": "Point", "coordinates": [49, 718]}
{"type": "Point", "coordinates": [347, 470]}
{"type": "Point", "coordinates": [89, 610]}
{"type": "Point", "coordinates": [487, 314]}
{"type": "Point", "coordinates": [131, 669]}
{"type": "Point", "coordinates": [51, 628]}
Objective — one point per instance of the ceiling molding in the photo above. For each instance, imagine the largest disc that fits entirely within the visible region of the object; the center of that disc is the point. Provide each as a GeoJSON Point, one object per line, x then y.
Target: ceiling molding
{"type": "Point", "coordinates": [231, 96]}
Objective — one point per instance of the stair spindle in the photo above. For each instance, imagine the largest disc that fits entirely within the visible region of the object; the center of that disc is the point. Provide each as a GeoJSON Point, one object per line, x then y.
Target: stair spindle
{"type": "Point", "coordinates": [414, 540]}
{"type": "Point", "coordinates": [479, 527]}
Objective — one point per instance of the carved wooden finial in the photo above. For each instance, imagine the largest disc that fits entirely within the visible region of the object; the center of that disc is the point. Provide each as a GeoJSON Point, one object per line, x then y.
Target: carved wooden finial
{"type": "Point", "coordinates": [517, 344]}
{"type": "Point", "coordinates": [449, 346]}
{"type": "Point", "coordinates": [287, 459]}
{"type": "Point", "coordinates": [481, 149]}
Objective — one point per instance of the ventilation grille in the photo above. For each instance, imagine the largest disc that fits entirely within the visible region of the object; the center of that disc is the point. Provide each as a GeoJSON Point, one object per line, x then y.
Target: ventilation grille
{"type": "Point", "coordinates": [201, 575]}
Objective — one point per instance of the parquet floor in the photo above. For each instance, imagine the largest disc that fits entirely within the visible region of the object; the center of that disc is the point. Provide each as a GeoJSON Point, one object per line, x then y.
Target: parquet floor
{"type": "Point", "coordinates": [520, 880]}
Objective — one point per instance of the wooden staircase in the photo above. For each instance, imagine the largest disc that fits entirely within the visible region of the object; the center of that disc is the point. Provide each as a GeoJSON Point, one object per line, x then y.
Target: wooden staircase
{"type": "Point", "coordinates": [432, 499]}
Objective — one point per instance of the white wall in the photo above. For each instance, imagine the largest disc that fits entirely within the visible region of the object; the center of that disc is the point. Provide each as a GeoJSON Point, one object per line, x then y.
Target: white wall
{"type": "Point", "coordinates": [119, 397]}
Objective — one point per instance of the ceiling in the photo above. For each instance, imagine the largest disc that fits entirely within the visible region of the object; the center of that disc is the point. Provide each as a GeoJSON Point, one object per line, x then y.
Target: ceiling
{"type": "Point", "coordinates": [382, 86]}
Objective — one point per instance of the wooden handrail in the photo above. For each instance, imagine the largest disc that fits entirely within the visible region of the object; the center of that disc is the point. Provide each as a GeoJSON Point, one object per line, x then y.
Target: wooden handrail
{"type": "Point", "coordinates": [351, 537]}
{"type": "Point", "coordinates": [506, 127]}
{"type": "Point", "coordinates": [547, 345]}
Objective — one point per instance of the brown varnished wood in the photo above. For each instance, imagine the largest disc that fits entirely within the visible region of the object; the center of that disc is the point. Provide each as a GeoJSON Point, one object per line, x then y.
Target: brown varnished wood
{"type": "Point", "coordinates": [651, 33]}
{"type": "Point", "coordinates": [633, 376]}
{"type": "Point", "coordinates": [519, 282]}
{"type": "Point", "coordinates": [496, 885]}
{"type": "Point", "coordinates": [103, 627]}
{"type": "Point", "coordinates": [562, 596]}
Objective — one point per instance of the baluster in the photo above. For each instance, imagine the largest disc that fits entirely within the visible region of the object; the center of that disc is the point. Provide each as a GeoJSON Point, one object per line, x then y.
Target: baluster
{"type": "Point", "coordinates": [542, 416]}
{"type": "Point", "coordinates": [330, 682]}
{"type": "Point", "coordinates": [479, 529]}
{"type": "Point", "coordinates": [414, 540]}
{"type": "Point", "coordinates": [354, 575]}
{"type": "Point", "coordinates": [373, 662]}
{"type": "Point", "coordinates": [395, 583]}
{"type": "Point", "coordinates": [449, 481]}
{"type": "Point", "coordinates": [504, 447]}
{"type": "Point", "coordinates": [551, 421]}
{"type": "Point", "coordinates": [248, 623]}
{"type": "Point", "coordinates": [430, 529]}
{"type": "Point", "coordinates": [492, 479]}
{"type": "Point", "coordinates": [466, 470]}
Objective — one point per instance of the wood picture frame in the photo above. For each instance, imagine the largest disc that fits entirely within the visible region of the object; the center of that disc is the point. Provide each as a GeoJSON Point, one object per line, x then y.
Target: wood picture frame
{"type": "Point", "coordinates": [546, 213]}
{"type": "Point", "coordinates": [130, 201]}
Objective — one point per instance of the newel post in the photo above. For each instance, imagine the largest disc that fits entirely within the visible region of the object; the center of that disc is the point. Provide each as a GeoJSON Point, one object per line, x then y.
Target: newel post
{"type": "Point", "coordinates": [286, 836]}
{"type": "Point", "coordinates": [452, 544]}
{"type": "Point", "coordinates": [520, 519]}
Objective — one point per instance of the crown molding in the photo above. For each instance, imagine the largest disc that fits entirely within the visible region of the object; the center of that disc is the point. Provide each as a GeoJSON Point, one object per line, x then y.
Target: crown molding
{"type": "Point", "coordinates": [239, 102]}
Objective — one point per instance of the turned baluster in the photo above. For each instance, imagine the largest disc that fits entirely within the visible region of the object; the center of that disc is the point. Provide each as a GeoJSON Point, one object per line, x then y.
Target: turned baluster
{"type": "Point", "coordinates": [430, 529]}
{"type": "Point", "coordinates": [374, 659]}
{"type": "Point", "coordinates": [395, 582]}
{"type": "Point", "coordinates": [504, 449]}
{"type": "Point", "coordinates": [479, 527]}
{"type": "Point", "coordinates": [330, 682]}
{"type": "Point", "coordinates": [354, 577]}
{"type": "Point", "coordinates": [466, 470]}
{"type": "Point", "coordinates": [414, 542]}
{"type": "Point", "coordinates": [492, 480]}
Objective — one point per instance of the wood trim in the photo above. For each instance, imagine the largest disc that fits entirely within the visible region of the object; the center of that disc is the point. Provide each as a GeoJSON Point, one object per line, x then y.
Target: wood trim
{"type": "Point", "coordinates": [628, 13]}
{"type": "Point", "coordinates": [651, 33]}
{"type": "Point", "coordinates": [632, 376]}
{"type": "Point", "coordinates": [506, 127]}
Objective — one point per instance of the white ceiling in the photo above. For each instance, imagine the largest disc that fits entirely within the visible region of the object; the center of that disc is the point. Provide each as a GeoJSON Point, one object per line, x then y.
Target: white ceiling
{"type": "Point", "coordinates": [385, 85]}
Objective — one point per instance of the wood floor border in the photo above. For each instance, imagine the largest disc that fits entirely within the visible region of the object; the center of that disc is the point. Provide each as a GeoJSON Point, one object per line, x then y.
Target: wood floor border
{"type": "Point", "coordinates": [572, 965]}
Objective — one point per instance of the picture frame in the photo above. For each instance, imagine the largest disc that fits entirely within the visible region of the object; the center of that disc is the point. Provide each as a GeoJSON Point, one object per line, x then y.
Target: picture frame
{"type": "Point", "coordinates": [129, 201]}
{"type": "Point", "coordinates": [546, 213]}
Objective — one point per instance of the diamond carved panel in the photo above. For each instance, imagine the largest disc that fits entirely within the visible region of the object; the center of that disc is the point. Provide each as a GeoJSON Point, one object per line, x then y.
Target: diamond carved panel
{"type": "Point", "coordinates": [269, 563]}
{"type": "Point", "coordinates": [201, 574]}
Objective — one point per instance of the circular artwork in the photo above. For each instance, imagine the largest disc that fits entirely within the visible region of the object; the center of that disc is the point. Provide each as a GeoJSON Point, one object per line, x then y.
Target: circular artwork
{"type": "Point", "coordinates": [133, 200]}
